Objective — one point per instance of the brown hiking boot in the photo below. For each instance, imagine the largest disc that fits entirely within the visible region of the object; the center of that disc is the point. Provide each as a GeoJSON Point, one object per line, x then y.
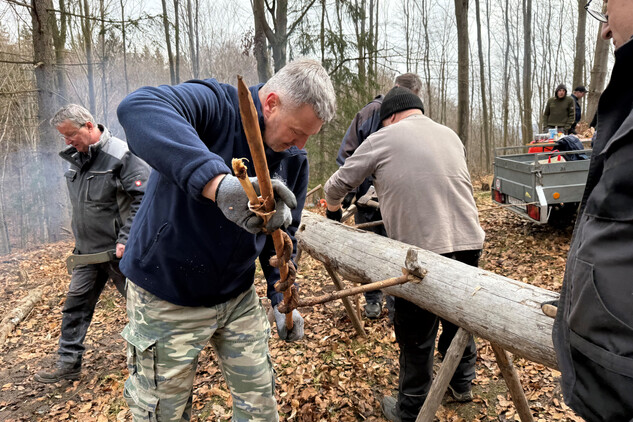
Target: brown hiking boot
{"type": "Point", "coordinates": [62, 372]}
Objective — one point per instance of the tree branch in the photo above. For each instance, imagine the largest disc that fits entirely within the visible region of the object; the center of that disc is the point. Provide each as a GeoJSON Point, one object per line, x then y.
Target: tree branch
{"type": "Point", "coordinates": [19, 3]}
{"type": "Point", "coordinates": [294, 25]}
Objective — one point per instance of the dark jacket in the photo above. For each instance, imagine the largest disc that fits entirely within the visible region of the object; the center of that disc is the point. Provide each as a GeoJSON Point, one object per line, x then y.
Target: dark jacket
{"type": "Point", "coordinates": [559, 112]}
{"type": "Point", "coordinates": [182, 248]}
{"type": "Point", "coordinates": [366, 122]}
{"type": "Point", "coordinates": [577, 109]}
{"type": "Point", "coordinates": [105, 186]}
{"type": "Point", "coordinates": [593, 331]}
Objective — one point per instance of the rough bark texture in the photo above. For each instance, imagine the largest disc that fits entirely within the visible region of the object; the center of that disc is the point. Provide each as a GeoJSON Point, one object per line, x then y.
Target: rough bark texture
{"type": "Point", "coordinates": [527, 72]}
{"type": "Point", "coordinates": [44, 57]}
{"type": "Point", "coordinates": [598, 77]}
{"type": "Point", "coordinates": [499, 309]}
{"type": "Point", "coordinates": [579, 55]}
{"type": "Point", "coordinates": [18, 314]}
{"type": "Point", "coordinates": [463, 108]}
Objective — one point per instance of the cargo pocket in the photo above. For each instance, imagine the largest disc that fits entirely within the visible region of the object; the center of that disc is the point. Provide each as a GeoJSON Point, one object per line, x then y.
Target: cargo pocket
{"type": "Point", "coordinates": [102, 187]}
{"type": "Point", "coordinates": [141, 358]}
{"type": "Point", "coordinates": [601, 352]}
{"type": "Point", "coordinates": [142, 404]}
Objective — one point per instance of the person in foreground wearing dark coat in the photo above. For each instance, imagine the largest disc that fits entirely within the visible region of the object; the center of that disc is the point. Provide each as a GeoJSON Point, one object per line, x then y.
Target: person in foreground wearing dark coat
{"type": "Point", "coordinates": [593, 330]}
{"type": "Point", "coordinates": [190, 261]}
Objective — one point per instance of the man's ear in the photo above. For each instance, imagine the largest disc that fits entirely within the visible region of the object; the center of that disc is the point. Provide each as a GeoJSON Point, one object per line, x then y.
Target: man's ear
{"type": "Point", "coordinates": [271, 103]}
{"type": "Point", "coordinates": [89, 125]}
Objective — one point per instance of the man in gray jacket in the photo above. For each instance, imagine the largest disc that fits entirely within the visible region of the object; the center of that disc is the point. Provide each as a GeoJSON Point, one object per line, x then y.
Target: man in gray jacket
{"type": "Point", "coordinates": [106, 183]}
{"type": "Point", "coordinates": [419, 165]}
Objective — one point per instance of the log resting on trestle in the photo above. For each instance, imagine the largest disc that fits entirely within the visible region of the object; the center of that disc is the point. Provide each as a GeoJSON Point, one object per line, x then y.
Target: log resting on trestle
{"type": "Point", "coordinates": [496, 308]}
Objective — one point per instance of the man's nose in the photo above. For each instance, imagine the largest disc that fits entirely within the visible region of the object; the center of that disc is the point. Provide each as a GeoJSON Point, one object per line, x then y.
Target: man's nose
{"type": "Point", "coordinates": [605, 33]}
{"type": "Point", "coordinates": [300, 141]}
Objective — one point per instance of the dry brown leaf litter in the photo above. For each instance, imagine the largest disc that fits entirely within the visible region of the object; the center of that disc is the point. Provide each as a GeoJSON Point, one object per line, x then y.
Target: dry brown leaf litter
{"type": "Point", "coordinates": [331, 375]}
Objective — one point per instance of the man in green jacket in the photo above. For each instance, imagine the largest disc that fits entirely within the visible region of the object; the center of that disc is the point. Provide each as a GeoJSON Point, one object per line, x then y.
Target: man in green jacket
{"type": "Point", "coordinates": [559, 111]}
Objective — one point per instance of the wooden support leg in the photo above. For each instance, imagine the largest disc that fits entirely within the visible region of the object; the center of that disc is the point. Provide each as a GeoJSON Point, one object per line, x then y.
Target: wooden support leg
{"type": "Point", "coordinates": [514, 384]}
{"type": "Point", "coordinates": [440, 383]}
{"type": "Point", "coordinates": [356, 322]}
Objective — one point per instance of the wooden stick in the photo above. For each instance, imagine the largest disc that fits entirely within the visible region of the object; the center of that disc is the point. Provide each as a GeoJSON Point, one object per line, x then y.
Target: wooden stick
{"type": "Point", "coordinates": [368, 225]}
{"type": "Point", "coordinates": [441, 381]}
{"type": "Point", "coordinates": [351, 313]}
{"type": "Point", "coordinates": [18, 314]}
{"type": "Point", "coordinates": [513, 382]}
{"type": "Point", "coordinates": [314, 189]}
{"type": "Point", "coordinates": [256, 146]}
{"type": "Point", "coordinates": [377, 285]}
{"type": "Point", "coordinates": [240, 172]}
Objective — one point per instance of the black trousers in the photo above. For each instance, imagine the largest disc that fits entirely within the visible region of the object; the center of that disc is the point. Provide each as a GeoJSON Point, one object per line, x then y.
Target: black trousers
{"type": "Point", "coordinates": [86, 284]}
{"type": "Point", "coordinates": [416, 330]}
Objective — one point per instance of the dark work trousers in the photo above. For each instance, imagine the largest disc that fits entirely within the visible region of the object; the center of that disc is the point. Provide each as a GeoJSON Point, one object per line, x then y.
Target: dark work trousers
{"type": "Point", "coordinates": [86, 284]}
{"type": "Point", "coordinates": [367, 215]}
{"type": "Point", "coordinates": [416, 330]}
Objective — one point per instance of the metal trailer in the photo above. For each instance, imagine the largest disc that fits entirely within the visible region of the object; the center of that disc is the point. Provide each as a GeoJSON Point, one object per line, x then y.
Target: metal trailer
{"type": "Point", "coordinates": [533, 184]}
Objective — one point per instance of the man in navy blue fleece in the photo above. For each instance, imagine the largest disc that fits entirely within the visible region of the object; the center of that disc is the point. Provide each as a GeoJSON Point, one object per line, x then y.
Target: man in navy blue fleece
{"type": "Point", "coordinates": [190, 259]}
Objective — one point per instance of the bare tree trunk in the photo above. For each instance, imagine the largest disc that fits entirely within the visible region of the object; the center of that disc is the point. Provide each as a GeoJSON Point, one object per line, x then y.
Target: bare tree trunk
{"type": "Point", "coordinates": [280, 39]}
{"type": "Point", "coordinates": [491, 112]}
{"type": "Point", "coordinates": [192, 46]}
{"type": "Point", "coordinates": [482, 77]}
{"type": "Point", "coordinates": [44, 56]}
{"type": "Point", "coordinates": [87, 33]}
{"type": "Point", "coordinates": [598, 77]}
{"type": "Point", "coordinates": [127, 79]}
{"type": "Point", "coordinates": [59, 41]}
{"type": "Point", "coordinates": [5, 241]}
{"type": "Point", "coordinates": [579, 58]}
{"type": "Point", "coordinates": [427, 64]}
{"type": "Point", "coordinates": [527, 71]}
{"type": "Point", "coordinates": [177, 39]}
{"type": "Point", "coordinates": [461, 14]}
{"type": "Point", "coordinates": [506, 78]}
{"type": "Point", "coordinates": [104, 62]}
{"type": "Point", "coordinates": [260, 45]}
{"type": "Point", "coordinates": [170, 56]}
{"type": "Point", "coordinates": [322, 31]}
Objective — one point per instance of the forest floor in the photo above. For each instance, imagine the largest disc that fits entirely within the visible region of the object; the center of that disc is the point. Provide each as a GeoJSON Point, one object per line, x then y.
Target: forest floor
{"type": "Point", "coordinates": [331, 375]}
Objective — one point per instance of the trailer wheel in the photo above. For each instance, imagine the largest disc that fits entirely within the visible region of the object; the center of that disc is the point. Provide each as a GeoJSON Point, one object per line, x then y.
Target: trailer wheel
{"type": "Point", "coordinates": [563, 215]}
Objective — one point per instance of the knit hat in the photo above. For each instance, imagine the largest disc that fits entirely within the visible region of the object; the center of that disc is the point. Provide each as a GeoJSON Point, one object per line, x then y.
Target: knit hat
{"type": "Point", "coordinates": [580, 88]}
{"type": "Point", "coordinates": [399, 99]}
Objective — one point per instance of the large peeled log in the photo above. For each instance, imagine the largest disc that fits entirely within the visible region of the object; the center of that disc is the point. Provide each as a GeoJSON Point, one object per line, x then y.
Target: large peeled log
{"type": "Point", "coordinates": [499, 309]}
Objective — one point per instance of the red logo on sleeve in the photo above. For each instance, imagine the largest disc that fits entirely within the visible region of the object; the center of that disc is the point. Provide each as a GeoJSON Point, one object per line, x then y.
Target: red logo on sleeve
{"type": "Point", "coordinates": [138, 183]}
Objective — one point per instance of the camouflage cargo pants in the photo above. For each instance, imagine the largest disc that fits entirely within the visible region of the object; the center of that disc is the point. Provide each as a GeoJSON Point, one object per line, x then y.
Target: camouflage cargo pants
{"type": "Point", "coordinates": [164, 341]}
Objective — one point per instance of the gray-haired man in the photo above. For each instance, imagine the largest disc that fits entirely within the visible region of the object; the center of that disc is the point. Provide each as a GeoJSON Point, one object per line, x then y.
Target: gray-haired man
{"type": "Point", "coordinates": [105, 184]}
{"type": "Point", "coordinates": [191, 262]}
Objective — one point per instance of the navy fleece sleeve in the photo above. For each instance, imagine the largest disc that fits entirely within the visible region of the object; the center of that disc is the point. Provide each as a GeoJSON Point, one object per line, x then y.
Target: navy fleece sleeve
{"type": "Point", "coordinates": [162, 126]}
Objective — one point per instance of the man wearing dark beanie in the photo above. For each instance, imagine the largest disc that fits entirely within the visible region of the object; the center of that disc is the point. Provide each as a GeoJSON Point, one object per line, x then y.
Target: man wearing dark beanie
{"type": "Point", "coordinates": [366, 122]}
{"type": "Point", "coordinates": [426, 199]}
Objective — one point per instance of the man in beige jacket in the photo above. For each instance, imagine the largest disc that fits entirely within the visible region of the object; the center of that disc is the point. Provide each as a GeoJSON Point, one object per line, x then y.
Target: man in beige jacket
{"type": "Point", "coordinates": [423, 185]}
